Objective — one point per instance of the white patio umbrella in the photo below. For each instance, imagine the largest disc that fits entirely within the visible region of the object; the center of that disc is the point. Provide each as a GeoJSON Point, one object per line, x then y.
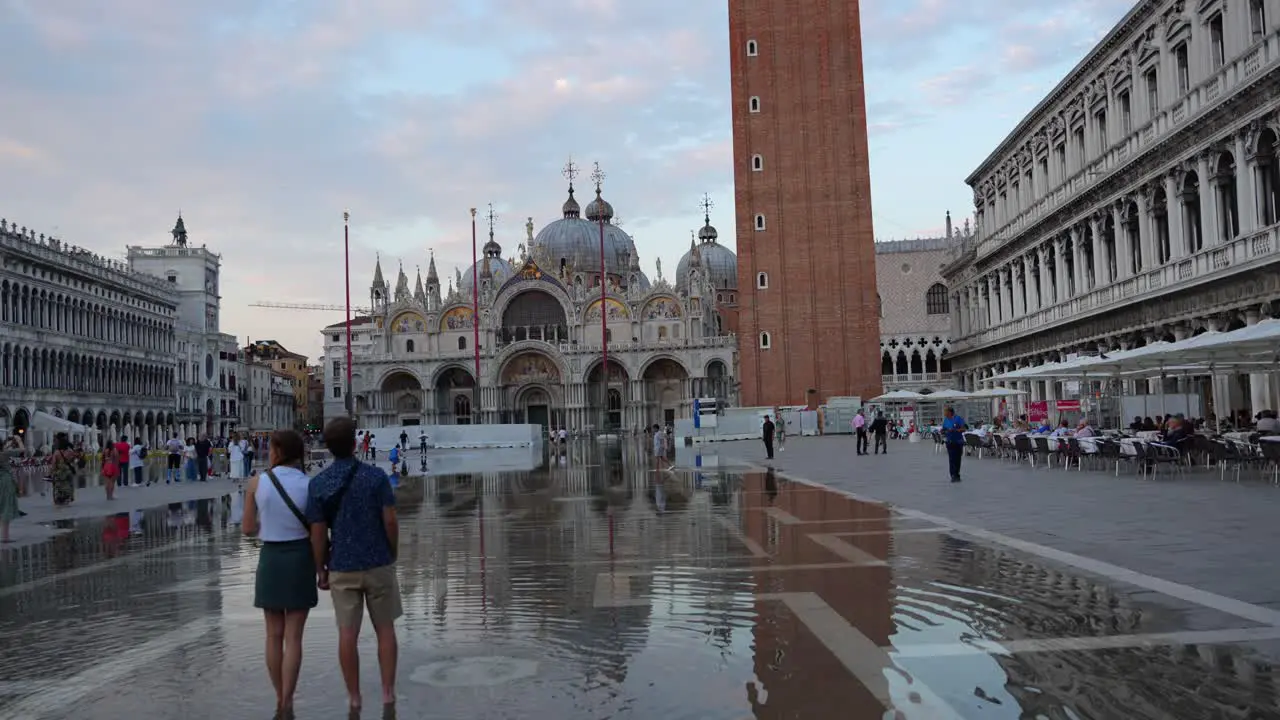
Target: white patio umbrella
{"type": "Point", "coordinates": [898, 396]}
{"type": "Point", "coordinates": [948, 394]}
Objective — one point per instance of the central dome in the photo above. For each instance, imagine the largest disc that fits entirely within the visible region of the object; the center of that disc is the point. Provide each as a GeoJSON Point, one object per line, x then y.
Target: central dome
{"type": "Point", "coordinates": [574, 240]}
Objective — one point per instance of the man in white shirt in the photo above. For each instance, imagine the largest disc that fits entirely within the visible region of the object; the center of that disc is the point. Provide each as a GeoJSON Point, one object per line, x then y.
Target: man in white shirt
{"type": "Point", "coordinates": [136, 455]}
{"type": "Point", "coordinates": [860, 429]}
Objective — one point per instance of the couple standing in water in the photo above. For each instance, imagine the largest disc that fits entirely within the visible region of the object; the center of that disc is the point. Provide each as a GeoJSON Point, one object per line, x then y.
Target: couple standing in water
{"type": "Point", "coordinates": [338, 532]}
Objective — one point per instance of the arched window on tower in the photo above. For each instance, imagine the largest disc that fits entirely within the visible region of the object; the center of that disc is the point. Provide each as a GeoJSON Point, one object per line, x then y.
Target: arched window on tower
{"type": "Point", "coordinates": [462, 343]}
{"type": "Point", "coordinates": [935, 300]}
{"type": "Point", "coordinates": [765, 341]}
{"type": "Point", "coordinates": [408, 346]}
{"type": "Point", "coordinates": [762, 280]}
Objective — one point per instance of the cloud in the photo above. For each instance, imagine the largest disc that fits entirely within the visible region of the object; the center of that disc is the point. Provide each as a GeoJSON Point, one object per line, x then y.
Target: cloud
{"type": "Point", "coordinates": [263, 119]}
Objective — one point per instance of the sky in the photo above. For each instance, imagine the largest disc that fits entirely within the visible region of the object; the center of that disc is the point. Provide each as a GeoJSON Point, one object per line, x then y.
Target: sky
{"type": "Point", "coordinates": [262, 120]}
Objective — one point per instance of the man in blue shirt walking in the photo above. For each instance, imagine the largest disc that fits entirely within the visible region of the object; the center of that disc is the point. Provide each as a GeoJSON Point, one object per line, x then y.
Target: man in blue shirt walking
{"type": "Point", "coordinates": [355, 536]}
{"type": "Point", "coordinates": [953, 427]}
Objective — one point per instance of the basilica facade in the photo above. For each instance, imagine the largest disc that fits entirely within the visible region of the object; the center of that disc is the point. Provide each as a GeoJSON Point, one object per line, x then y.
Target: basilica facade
{"type": "Point", "coordinates": [544, 328]}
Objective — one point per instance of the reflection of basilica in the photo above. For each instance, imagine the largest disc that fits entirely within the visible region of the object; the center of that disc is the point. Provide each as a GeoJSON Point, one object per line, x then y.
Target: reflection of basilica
{"type": "Point", "coordinates": [541, 333]}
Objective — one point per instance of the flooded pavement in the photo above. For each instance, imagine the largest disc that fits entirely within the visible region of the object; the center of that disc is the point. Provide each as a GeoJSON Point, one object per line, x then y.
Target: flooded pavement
{"type": "Point", "coordinates": [605, 584]}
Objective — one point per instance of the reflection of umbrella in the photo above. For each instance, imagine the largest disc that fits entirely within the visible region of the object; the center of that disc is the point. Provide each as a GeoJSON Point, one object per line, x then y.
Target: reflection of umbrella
{"type": "Point", "coordinates": [898, 395]}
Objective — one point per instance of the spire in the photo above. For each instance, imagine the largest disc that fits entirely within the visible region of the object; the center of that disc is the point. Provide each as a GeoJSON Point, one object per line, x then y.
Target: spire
{"type": "Point", "coordinates": [707, 234]}
{"type": "Point", "coordinates": [948, 224]}
{"type": "Point", "coordinates": [418, 293]}
{"type": "Point", "coordinates": [432, 277]}
{"type": "Point", "coordinates": [571, 208]}
{"type": "Point", "coordinates": [402, 284]}
{"type": "Point", "coordinates": [179, 232]}
{"type": "Point", "coordinates": [378, 282]}
{"type": "Point", "coordinates": [492, 249]}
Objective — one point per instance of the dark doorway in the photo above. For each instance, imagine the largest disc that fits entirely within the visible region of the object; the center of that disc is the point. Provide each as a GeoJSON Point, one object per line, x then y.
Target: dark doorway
{"type": "Point", "coordinates": [538, 415]}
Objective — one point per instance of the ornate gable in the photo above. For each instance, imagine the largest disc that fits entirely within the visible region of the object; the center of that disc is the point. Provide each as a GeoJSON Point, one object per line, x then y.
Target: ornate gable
{"type": "Point", "coordinates": [530, 272]}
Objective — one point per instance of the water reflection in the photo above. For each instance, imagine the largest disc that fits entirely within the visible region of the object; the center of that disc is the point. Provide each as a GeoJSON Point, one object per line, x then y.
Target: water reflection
{"type": "Point", "coordinates": [599, 584]}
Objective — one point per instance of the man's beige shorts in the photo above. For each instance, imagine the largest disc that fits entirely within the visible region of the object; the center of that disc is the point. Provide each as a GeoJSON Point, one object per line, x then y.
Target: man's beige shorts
{"type": "Point", "coordinates": [377, 588]}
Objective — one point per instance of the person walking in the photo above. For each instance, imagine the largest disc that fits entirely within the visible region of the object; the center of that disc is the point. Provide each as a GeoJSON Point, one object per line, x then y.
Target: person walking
{"type": "Point", "coordinates": [123, 450]}
{"type": "Point", "coordinates": [355, 539]}
{"type": "Point", "coordinates": [780, 429]}
{"type": "Point", "coordinates": [860, 430]}
{"type": "Point", "coordinates": [767, 436]}
{"type": "Point", "coordinates": [137, 461]}
{"type": "Point", "coordinates": [880, 430]}
{"type": "Point", "coordinates": [174, 447]}
{"type": "Point", "coordinates": [66, 466]}
{"type": "Point", "coordinates": [10, 452]}
{"type": "Point", "coordinates": [204, 449]}
{"type": "Point", "coordinates": [953, 427]}
{"type": "Point", "coordinates": [235, 457]}
{"type": "Point", "coordinates": [285, 588]}
{"type": "Point", "coordinates": [110, 470]}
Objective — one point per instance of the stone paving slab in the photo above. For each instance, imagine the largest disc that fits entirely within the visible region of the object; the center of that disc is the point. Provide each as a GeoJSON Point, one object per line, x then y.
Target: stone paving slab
{"type": "Point", "coordinates": [1192, 529]}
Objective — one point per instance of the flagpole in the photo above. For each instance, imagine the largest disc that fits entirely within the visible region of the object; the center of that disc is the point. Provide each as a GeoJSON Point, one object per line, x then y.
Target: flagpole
{"type": "Point", "coordinates": [346, 251]}
{"type": "Point", "coordinates": [598, 176]}
{"type": "Point", "coordinates": [475, 313]}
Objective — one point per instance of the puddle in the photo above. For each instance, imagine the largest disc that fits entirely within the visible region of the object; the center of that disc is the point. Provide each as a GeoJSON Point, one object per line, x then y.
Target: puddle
{"type": "Point", "coordinates": [602, 585]}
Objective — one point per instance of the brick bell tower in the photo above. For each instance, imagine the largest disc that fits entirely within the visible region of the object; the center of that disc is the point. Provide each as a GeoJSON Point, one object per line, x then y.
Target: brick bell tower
{"type": "Point", "coordinates": [809, 316]}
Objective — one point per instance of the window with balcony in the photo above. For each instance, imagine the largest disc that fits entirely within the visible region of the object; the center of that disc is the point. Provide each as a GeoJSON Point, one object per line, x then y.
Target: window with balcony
{"type": "Point", "coordinates": [1182, 64]}
{"type": "Point", "coordinates": [1044, 173]}
{"type": "Point", "coordinates": [1152, 79]}
{"type": "Point", "coordinates": [1126, 112]}
{"type": "Point", "coordinates": [1217, 43]}
{"type": "Point", "coordinates": [1257, 19]}
{"type": "Point", "coordinates": [1077, 144]}
{"type": "Point", "coordinates": [935, 300]}
{"type": "Point", "coordinates": [1100, 129]}
{"type": "Point", "coordinates": [1060, 162]}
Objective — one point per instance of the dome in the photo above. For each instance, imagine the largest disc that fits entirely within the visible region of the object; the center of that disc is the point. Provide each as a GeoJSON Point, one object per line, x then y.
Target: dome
{"type": "Point", "coordinates": [642, 281]}
{"type": "Point", "coordinates": [599, 208]}
{"type": "Point", "coordinates": [576, 240]}
{"type": "Point", "coordinates": [501, 269]}
{"type": "Point", "coordinates": [719, 261]}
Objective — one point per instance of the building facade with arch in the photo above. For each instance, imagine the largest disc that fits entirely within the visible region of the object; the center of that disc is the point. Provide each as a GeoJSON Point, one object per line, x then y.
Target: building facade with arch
{"type": "Point", "coordinates": [915, 316]}
{"type": "Point", "coordinates": [1139, 201]}
{"type": "Point", "coordinates": [542, 330]}
{"type": "Point", "coordinates": [84, 338]}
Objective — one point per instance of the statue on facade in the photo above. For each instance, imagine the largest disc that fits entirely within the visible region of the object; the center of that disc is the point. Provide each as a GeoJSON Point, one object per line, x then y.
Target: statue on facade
{"type": "Point", "coordinates": [658, 262]}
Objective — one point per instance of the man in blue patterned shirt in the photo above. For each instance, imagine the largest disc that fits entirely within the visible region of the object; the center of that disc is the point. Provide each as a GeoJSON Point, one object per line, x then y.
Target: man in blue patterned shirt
{"type": "Point", "coordinates": [355, 538]}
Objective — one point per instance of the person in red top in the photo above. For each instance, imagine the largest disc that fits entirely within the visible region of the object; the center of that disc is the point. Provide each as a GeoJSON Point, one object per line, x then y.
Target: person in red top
{"type": "Point", "coordinates": [122, 460]}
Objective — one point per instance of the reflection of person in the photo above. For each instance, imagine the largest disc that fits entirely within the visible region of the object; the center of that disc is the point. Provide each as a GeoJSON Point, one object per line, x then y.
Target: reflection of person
{"type": "Point", "coordinates": [767, 436]}
{"type": "Point", "coordinates": [11, 451]}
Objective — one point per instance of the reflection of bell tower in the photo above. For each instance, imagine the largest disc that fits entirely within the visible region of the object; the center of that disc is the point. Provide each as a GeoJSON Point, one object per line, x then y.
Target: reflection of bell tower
{"type": "Point", "coordinates": [378, 291]}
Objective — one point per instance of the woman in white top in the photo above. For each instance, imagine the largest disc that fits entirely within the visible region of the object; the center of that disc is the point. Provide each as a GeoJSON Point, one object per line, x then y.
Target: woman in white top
{"type": "Point", "coordinates": [274, 507]}
{"type": "Point", "coordinates": [235, 452]}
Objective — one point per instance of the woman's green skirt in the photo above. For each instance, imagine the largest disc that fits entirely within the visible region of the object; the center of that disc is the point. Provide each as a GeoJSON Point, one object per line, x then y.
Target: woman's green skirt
{"type": "Point", "coordinates": [286, 576]}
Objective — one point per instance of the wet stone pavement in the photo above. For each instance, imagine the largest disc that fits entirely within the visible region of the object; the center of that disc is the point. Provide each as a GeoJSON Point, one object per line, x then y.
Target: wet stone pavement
{"type": "Point", "coordinates": [608, 584]}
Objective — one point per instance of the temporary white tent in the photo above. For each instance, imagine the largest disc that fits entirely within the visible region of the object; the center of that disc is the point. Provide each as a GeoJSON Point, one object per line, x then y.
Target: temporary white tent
{"type": "Point", "coordinates": [947, 394]}
{"type": "Point", "coordinates": [52, 425]}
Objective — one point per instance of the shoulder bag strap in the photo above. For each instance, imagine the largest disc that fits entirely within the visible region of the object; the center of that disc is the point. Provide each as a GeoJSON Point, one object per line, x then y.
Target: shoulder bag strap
{"type": "Point", "coordinates": [288, 500]}
{"type": "Point", "coordinates": [336, 499]}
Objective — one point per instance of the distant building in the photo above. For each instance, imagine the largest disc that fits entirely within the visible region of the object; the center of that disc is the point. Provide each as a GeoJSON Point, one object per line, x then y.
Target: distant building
{"type": "Point", "coordinates": [83, 339]}
{"type": "Point", "coordinates": [334, 360]}
{"type": "Point", "coordinates": [283, 407]}
{"type": "Point", "coordinates": [541, 338]}
{"type": "Point", "coordinates": [314, 419]}
{"type": "Point", "coordinates": [280, 360]}
{"type": "Point", "coordinates": [205, 360]}
{"type": "Point", "coordinates": [806, 256]}
{"type": "Point", "coordinates": [1139, 201]}
{"type": "Point", "coordinates": [915, 315]}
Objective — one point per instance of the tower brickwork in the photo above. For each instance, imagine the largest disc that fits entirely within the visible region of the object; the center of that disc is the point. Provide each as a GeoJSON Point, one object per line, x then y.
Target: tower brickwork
{"type": "Point", "coordinates": [808, 315]}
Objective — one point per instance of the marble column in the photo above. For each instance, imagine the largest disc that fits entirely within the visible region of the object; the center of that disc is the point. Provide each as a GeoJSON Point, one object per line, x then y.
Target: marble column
{"type": "Point", "coordinates": [984, 303]}
{"type": "Point", "coordinates": [1124, 260]}
{"type": "Point", "coordinates": [1246, 196]}
{"type": "Point", "coordinates": [1078, 271]}
{"type": "Point", "coordinates": [1146, 229]}
{"type": "Point", "coordinates": [1179, 247]}
{"type": "Point", "coordinates": [1210, 230]}
{"type": "Point", "coordinates": [1006, 302]}
{"type": "Point", "coordinates": [1046, 282]}
{"type": "Point", "coordinates": [1060, 294]}
{"type": "Point", "coordinates": [1017, 285]}
{"type": "Point", "coordinates": [1101, 273]}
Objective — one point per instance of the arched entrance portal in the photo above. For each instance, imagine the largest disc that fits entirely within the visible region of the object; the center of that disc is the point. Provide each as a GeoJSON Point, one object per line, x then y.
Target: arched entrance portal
{"type": "Point", "coordinates": [453, 391]}
{"type": "Point", "coordinates": [607, 404]}
{"type": "Point", "coordinates": [665, 382]}
{"type": "Point", "coordinates": [532, 391]}
{"type": "Point", "coordinates": [401, 401]}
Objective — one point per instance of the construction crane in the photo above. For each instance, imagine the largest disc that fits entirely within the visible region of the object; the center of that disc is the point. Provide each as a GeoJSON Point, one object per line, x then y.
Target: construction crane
{"type": "Point", "coordinates": [309, 306]}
